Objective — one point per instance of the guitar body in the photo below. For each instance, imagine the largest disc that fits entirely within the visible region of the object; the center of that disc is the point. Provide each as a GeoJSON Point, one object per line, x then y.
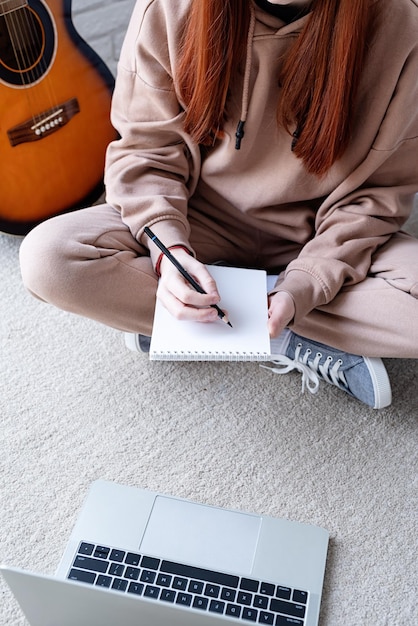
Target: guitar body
{"type": "Point", "coordinates": [55, 95]}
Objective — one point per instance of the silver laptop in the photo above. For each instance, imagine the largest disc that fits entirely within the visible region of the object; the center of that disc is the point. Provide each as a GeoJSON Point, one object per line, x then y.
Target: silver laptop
{"type": "Point", "coordinates": [140, 558]}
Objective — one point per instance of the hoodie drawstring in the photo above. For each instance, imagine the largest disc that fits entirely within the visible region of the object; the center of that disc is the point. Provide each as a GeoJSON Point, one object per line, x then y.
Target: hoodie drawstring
{"type": "Point", "coordinates": [247, 73]}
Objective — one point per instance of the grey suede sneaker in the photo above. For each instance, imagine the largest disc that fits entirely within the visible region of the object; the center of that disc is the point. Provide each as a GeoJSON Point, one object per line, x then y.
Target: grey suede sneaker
{"type": "Point", "coordinates": [363, 378]}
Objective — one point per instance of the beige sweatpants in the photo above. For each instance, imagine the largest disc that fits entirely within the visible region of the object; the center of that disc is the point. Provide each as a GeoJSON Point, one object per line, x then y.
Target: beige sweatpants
{"type": "Point", "coordinates": [87, 262]}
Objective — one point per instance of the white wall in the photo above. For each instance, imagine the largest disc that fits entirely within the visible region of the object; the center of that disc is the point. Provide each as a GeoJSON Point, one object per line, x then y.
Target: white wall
{"type": "Point", "coordinates": [103, 23]}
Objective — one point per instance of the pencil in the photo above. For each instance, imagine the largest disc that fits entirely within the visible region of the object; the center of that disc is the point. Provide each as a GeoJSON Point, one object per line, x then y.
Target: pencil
{"type": "Point", "coordinates": [184, 272]}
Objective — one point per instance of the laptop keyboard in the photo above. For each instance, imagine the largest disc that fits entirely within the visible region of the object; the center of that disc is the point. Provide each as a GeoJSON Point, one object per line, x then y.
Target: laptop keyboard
{"type": "Point", "coordinates": [245, 599]}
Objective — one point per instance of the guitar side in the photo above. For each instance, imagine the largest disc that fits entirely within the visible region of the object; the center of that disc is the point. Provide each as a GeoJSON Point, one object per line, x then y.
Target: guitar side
{"type": "Point", "coordinates": [54, 115]}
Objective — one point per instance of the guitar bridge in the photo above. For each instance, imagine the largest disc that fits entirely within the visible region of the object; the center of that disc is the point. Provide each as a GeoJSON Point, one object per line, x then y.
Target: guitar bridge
{"type": "Point", "coordinates": [44, 124]}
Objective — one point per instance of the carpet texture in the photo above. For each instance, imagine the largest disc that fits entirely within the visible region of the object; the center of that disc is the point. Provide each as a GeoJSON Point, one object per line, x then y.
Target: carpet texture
{"type": "Point", "coordinates": [77, 406]}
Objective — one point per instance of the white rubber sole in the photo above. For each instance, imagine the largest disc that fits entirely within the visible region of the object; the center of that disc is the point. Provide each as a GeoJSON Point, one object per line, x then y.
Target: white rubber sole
{"type": "Point", "coordinates": [381, 382]}
{"type": "Point", "coordinates": [131, 342]}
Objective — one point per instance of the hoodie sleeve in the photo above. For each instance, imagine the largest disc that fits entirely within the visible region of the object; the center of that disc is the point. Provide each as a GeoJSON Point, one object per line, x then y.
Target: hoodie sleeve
{"type": "Point", "coordinates": [151, 169]}
{"type": "Point", "coordinates": [366, 209]}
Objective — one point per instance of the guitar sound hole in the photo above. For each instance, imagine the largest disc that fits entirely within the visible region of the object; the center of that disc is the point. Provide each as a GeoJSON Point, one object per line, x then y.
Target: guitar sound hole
{"type": "Point", "coordinates": [21, 39]}
{"type": "Point", "coordinates": [27, 42]}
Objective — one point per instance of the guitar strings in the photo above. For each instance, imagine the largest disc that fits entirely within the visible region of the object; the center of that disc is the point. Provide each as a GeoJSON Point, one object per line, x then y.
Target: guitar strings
{"type": "Point", "coordinates": [14, 21]}
{"type": "Point", "coordinates": [9, 23]}
{"type": "Point", "coordinates": [38, 69]}
{"type": "Point", "coordinates": [28, 47]}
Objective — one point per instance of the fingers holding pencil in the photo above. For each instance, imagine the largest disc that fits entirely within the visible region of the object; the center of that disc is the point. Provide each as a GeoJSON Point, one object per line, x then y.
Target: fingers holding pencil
{"type": "Point", "coordinates": [186, 288]}
{"type": "Point", "coordinates": [179, 297]}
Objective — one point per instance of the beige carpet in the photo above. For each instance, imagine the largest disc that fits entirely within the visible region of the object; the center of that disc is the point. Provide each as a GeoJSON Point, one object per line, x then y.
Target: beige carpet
{"type": "Point", "coordinates": [76, 406]}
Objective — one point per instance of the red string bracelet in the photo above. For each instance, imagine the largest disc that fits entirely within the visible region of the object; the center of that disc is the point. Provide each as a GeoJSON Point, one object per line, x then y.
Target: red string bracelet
{"type": "Point", "coordinates": [158, 263]}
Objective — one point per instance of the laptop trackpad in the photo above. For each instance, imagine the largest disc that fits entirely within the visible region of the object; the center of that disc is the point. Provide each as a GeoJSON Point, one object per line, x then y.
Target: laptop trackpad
{"type": "Point", "coordinates": [201, 535]}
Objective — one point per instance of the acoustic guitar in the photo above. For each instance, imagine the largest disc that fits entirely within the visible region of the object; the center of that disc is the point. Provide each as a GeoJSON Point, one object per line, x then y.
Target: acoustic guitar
{"type": "Point", "coordinates": [55, 95]}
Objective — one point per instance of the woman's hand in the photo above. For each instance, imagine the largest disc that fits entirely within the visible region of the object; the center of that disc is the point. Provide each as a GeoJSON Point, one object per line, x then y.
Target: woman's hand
{"type": "Point", "coordinates": [179, 297]}
{"type": "Point", "coordinates": [281, 312]}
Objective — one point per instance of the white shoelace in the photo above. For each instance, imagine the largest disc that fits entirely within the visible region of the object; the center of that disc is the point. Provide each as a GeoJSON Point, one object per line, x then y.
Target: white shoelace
{"type": "Point", "coordinates": [311, 370]}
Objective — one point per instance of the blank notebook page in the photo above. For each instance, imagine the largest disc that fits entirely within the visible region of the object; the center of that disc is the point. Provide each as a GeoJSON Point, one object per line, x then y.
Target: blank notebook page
{"type": "Point", "coordinates": [244, 296]}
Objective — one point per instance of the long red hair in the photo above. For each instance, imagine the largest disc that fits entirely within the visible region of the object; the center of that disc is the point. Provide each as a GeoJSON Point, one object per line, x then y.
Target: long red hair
{"type": "Point", "coordinates": [319, 79]}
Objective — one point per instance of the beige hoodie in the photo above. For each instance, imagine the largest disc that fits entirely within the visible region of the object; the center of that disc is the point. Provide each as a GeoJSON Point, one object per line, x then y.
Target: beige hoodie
{"type": "Point", "coordinates": [327, 229]}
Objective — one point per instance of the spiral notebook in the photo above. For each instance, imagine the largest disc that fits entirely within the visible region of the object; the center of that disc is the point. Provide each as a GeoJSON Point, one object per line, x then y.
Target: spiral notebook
{"type": "Point", "coordinates": [244, 295]}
